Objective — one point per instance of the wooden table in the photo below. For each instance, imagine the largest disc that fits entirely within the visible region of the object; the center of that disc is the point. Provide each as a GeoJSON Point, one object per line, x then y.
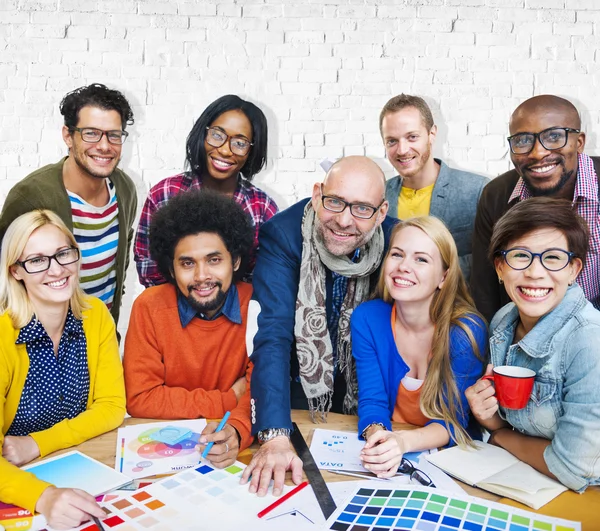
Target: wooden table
{"type": "Point", "coordinates": [580, 507]}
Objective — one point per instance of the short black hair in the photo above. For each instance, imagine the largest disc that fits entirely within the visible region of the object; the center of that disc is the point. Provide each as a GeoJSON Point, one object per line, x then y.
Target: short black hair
{"type": "Point", "coordinates": [541, 213]}
{"type": "Point", "coordinates": [95, 95]}
{"type": "Point", "coordinates": [197, 211]}
{"type": "Point", "coordinates": [195, 151]}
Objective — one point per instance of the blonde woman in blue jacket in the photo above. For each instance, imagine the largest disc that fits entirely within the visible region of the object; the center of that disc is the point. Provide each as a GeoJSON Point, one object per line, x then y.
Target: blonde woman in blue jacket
{"type": "Point", "coordinates": [417, 347]}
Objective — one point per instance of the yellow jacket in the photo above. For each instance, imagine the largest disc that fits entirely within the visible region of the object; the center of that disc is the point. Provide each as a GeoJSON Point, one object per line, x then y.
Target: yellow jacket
{"type": "Point", "coordinates": [105, 407]}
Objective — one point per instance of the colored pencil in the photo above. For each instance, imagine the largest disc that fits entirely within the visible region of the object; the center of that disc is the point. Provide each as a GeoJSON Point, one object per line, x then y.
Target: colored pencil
{"type": "Point", "coordinates": [278, 502]}
{"type": "Point", "coordinates": [219, 428]}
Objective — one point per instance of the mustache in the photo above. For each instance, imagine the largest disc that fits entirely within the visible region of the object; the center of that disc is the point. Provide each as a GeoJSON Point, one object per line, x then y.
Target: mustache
{"type": "Point", "coordinates": [547, 160]}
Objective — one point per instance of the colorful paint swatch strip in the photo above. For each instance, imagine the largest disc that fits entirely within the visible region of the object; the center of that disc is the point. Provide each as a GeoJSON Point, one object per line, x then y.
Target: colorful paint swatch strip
{"type": "Point", "coordinates": [408, 508]}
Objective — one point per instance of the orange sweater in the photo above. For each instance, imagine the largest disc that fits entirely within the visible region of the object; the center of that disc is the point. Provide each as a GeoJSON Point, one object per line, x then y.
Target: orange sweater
{"type": "Point", "coordinates": [186, 373]}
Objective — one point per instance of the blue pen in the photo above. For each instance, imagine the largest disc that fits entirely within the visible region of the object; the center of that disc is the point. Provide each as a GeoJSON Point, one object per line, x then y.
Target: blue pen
{"type": "Point", "coordinates": [219, 428]}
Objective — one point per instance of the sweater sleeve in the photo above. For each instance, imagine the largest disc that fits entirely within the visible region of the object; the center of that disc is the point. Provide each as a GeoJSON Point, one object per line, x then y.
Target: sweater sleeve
{"type": "Point", "coordinates": [240, 416]}
{"type": "Point", "coordinates": [147, 394]}
{"type": "Point", "coordinates": [106, 406]}
{"type": "Point", "coordinates": [373, 400]}
{"type": "Point", "coordinates": [17, 486]}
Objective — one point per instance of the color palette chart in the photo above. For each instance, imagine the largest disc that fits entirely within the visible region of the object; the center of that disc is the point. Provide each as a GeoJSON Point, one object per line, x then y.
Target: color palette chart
{"type": "Point", "coordinates": [373, 509]}
{"type": "Point", "coordinates": [184, 502]}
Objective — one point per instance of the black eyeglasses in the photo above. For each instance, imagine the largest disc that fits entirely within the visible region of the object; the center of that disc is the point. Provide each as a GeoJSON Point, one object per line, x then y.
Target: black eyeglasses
{"type": "Point", "coordinates": [92, 135]}
{"type": "Point", "coordinates": [406, 467]}
{"type": "Point", "coordinates": [238, 145]}
{"type": "Point", "coordinates": [551, 139]}
{"type": "Point", "coordinates": [551, 259]}
{"type": "Point", "coordinates": [38, 264]}
{"type": "Point", "coordinates": [358, 210]}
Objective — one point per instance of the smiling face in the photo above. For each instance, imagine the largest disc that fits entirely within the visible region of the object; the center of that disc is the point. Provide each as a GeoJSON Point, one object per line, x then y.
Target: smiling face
{"type": "Point", "coordinates": [56, 285]}
{"type": "Point", "coordinates": [221, 163]}
{"type": "Point", "coordinates": [407, 141]}
{"type": "Point", "coordinates": [413, 270]}
{"type": "Point", "coordinates": [99, 159]}
{"type": "Point", "coordinates": [354, 180]}
{"type": "Point", "coordinates": [203, 271]}
{"type": "Point", "coordinates": [535, 290]}
{"type": "Point", "coordinates": [547, 172]}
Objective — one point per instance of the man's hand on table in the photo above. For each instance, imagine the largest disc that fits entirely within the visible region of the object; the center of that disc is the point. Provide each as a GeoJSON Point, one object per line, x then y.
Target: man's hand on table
{"type": "Point", "coordinates": [67, 508]}
{"type": "Point", "coordinates": [272, 460]}
{"type": "Point", "coordinates": [226, 444]}
{"type": "Point", "coordinates": [20, 450]}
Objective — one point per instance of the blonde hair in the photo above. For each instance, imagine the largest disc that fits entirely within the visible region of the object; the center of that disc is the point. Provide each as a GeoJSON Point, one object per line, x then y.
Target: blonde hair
{"type": "Point", "coordinates": [13, 294]}
{"type": "Point", "coordinates": [451, 306]}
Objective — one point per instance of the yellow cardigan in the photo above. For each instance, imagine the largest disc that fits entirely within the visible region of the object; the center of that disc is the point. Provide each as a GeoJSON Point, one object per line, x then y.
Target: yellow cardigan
{"type": "Point", "coordinates": [105, 408]}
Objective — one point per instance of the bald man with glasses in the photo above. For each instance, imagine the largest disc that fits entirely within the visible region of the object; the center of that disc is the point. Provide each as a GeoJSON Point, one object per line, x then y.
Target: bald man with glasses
{"type": "Point", "coordinates": [96, 200]}
{"type": "Point", "coordinates": [546, 147]}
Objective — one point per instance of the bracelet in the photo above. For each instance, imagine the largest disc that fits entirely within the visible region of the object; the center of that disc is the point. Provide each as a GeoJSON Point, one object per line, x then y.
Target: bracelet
{"type": "Point", "coordinates": [364, 432]}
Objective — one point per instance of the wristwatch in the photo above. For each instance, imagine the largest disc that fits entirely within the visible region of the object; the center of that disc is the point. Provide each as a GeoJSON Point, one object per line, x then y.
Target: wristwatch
{"type": "Point", "coordinates": [364, 432]}
{"type": "Point", "coordinates": [270, 433]}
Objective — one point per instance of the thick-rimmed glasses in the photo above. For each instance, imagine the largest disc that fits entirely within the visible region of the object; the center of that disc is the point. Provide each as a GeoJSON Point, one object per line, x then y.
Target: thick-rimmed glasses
{"type": "Point", "coordinates": [406, 467]}
{"type": "Point", "coordinates": [39, 264]}
{"type": "Point", "coordinates": [551, 259]}
{"type": "Point", "coordinates": [551, 139]}
{"type": "Point", "coordinates": [358, 210]}
{"type": "Point", "coordinates": [92, 135]}
{"type": "Point", "coordinates": [238, 145]}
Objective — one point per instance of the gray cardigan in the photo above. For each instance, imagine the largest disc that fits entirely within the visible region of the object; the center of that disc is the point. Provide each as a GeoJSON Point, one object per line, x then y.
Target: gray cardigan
{"type": "Point", "coordinates": [454, 201]}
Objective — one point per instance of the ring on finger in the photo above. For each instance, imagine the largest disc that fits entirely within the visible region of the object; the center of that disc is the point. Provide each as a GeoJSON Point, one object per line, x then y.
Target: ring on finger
{"type": "Point", "coordinates": [226, 448]}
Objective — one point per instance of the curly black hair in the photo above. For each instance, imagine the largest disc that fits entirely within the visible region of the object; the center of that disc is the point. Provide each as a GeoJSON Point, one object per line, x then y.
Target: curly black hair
{"type": "Point", "coordinates": [95, 95]}
{"type": "Point", "coordinates": [196, 211]}
{"type": "Point", "coordinates": [195, 151]}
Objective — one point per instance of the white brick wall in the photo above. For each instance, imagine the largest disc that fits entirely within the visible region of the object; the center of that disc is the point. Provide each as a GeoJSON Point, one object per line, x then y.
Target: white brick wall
{"type": "Point", "coordinates": [320, 70]}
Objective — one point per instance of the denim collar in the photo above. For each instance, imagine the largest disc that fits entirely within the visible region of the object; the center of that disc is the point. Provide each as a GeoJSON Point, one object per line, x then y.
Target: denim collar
{"type": "Point", "coordinates": [538, 341]}
{"type": "Point", "coordinates": [230, 309]}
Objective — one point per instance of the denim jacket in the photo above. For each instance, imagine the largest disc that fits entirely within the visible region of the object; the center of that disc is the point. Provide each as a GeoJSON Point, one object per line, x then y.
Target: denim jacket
{"type": "Point", "coordinates": [563, 349]}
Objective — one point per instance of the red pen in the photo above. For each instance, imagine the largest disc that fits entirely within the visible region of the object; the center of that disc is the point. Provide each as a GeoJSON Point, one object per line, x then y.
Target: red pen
{"type": "Point", "coordinates": [278, 502]}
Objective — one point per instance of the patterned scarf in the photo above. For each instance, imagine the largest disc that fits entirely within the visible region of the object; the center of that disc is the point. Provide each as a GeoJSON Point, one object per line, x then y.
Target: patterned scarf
{"type": "Point", "coordinates": [313, 342]}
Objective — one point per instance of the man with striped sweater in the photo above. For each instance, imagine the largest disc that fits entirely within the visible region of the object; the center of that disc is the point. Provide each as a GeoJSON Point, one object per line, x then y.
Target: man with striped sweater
{"type": "Point", "coordinates": [96, 200]}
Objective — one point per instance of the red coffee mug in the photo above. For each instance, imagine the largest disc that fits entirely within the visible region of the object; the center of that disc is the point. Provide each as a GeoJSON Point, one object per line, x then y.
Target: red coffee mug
{"type": "Point", "coordinates": [513, 385]}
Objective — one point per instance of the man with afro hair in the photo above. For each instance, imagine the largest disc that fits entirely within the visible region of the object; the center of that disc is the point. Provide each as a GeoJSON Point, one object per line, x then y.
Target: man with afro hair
{"type": "Point", "coordinates": [185, 351]}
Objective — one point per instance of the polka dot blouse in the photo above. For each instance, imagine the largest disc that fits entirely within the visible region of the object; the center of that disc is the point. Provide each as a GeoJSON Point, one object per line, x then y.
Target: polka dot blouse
{"type": "Point", "coordinates": [56, 387]}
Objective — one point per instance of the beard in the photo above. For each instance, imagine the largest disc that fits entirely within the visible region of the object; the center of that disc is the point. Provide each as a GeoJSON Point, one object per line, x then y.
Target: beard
{"type": "Point", "coordinates": [536, 191]}
{"type": "Point", "coordinates": [210, 305]}
{"type": "Point", "coordinates": [338, 248]}
{"type": "Point", "coordinates": [422, 161]}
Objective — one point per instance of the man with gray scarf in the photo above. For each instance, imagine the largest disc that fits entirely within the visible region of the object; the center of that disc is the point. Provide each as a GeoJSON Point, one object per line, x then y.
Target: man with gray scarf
{"type": "Point", "coordinates": [317, 261]}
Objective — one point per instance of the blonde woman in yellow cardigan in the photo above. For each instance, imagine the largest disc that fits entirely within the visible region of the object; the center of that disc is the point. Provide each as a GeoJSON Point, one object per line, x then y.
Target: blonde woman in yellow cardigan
{"type": "Point", "coordinates": [61, 380]}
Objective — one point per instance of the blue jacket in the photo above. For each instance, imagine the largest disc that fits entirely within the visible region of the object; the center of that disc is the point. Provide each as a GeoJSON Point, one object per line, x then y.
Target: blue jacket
{"type": "Point", "coordinates": [563, 350]}
{"type": "Point", "coordinates": [454, 201]}
{"type": "Point", "coordinates": [271, 315]}
{"type": "Point", "coordinates": [380, 367]}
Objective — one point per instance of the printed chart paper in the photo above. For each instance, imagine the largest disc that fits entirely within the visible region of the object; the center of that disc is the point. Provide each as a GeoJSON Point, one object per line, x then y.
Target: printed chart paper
{"type": "Point", "coordinates": [422, 509]}
{"type": "Point", "coordinates": [194, 499]}
{"type": "Point", "coordinates": [158, 448]}
{"type": "Point", "coordinates": [340, 450]}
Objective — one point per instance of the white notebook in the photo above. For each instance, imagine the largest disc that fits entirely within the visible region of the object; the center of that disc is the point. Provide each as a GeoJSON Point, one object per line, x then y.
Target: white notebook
{"type": "Point", "coordinates": [494, 469]}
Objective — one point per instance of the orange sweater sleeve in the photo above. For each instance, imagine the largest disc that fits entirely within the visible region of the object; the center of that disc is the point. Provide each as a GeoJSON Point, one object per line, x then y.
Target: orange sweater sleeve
{"type": "Point", "coordinates": [240, 416]}
{"type": "Point", "coordinates": [147, 394]}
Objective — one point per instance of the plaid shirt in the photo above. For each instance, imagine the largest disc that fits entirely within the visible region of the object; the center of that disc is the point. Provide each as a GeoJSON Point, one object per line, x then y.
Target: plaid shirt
{"type": "Point", "coordinates": [253, 201]}
{"type": "Point", "coordinates": [585, 200]}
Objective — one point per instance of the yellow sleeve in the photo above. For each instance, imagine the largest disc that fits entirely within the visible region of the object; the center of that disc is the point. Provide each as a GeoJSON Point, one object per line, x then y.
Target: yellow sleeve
{"type": "Point", "coordinates": [16, 486]}
{"type": "Point", "coordinates": [106, 403]}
